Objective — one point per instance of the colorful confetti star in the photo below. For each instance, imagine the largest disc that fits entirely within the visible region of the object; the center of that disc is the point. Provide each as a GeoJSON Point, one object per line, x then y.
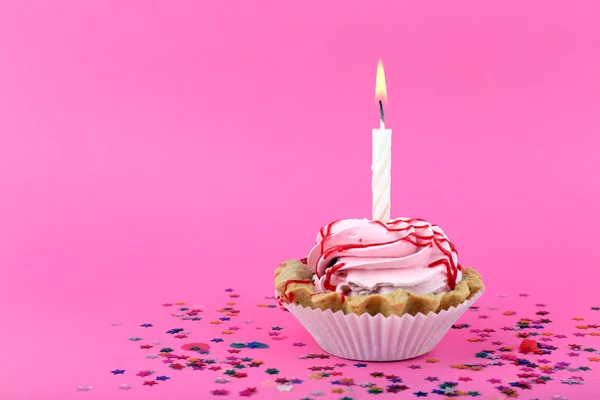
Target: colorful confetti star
{"type": "Point", "coordinates": [248, 392]}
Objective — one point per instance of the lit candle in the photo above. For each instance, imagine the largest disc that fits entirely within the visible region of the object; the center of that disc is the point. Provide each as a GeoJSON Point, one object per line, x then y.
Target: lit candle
{"type": "Point", "coordinates": [382, 155]}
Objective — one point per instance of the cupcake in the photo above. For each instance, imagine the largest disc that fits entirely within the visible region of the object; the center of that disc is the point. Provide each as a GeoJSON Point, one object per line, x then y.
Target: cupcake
{"type": "Point", "coordinates": [374, 291]}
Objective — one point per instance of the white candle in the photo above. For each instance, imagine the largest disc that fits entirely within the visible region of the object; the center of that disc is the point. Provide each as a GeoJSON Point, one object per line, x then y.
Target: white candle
{"type": "Point", "coordinates": [382, 156]}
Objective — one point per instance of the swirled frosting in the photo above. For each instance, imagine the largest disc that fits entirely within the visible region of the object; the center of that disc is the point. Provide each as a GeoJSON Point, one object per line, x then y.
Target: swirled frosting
{"type": "Point", "coordinates": [358, 256]}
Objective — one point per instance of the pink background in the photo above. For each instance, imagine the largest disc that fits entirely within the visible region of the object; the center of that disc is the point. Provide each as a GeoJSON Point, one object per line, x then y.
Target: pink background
{"type": "Point", "coordinates": [154, 151]}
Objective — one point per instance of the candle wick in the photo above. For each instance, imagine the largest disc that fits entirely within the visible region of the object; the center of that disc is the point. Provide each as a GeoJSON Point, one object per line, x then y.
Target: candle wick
{"type": "Point", "coordinates": [381, 115]}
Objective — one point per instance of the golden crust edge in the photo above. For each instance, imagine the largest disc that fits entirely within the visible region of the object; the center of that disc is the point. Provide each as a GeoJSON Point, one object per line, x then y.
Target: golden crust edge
{"type": "Point", "coordinates": [399, 302]}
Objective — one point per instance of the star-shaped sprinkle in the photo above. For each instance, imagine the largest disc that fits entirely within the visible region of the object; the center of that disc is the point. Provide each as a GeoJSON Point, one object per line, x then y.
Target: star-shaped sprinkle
{"type": "Point", "coordinates": [220, 392]}
{"type": "Point", "coordinates": [420, 394]}
{"type": "Point", "coordinates": [117, 371]}
{"type": "Point", "coordinates": [360, 365]}
{"type": "Point", "coordinates": [396, 388]}
{"type": "Point", "coordinates": [162, 378]}
{"type": "Point", "coordinates": [150, 383]}
{"type": "Point", "coordinates": [125, 386]}
{"type": "Point", "coordinates": [272, 371]}
{"type": "Point", "coordinates": [216, 340]}
{"type": "Point", "coordinates": [432, 378]}
{"type": "Point", "coordinates": [248, 392]}
{"type": "Point", "coordinates": [257, 345]}
{"type": "Point", "coordinates": [84, 388]}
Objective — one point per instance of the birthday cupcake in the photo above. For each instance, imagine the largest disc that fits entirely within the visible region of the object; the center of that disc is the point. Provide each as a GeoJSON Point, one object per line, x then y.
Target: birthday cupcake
{"type": "Point", "coordinates": [376, 291]}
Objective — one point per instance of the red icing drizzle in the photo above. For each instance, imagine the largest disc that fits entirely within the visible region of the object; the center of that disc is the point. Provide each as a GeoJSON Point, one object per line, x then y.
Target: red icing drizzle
{"type": "Point", "coordinates": [290, 297]}
{"type": "Point", "coordinates": [451, 268]}
{"type": "Point", "coordinates": [328, 273]}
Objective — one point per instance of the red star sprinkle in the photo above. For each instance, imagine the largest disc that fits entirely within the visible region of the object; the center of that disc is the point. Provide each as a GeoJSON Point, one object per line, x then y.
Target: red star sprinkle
{"type": "Point", "coordinates": [180, 336]}
{"type": "Point", "coordinates": [528, 345]}
{"type": "Point", "coordinates": [248, 392]}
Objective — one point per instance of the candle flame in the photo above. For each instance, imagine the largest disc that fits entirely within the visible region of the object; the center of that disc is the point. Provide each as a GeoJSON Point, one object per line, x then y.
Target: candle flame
{"type": "Point", "coordinates": [380, 87]}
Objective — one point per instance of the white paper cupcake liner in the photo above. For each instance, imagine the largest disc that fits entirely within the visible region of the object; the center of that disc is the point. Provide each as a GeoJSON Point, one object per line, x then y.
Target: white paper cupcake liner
{"type": "Point", "coordinates": [378, 338]}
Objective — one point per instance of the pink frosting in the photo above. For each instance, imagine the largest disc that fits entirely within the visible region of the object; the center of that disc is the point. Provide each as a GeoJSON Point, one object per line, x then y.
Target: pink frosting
{"type": "Point", "coordinates": [358, 256]}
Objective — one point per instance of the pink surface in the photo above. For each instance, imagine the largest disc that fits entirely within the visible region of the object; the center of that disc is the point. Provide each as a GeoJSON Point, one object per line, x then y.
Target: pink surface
{"type": "Point", "coordinates": [157, 151]}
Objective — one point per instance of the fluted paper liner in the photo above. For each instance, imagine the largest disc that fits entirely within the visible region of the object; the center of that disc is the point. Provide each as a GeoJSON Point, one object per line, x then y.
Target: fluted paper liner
{"type": "Point", "coordinates": [378, 338]}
